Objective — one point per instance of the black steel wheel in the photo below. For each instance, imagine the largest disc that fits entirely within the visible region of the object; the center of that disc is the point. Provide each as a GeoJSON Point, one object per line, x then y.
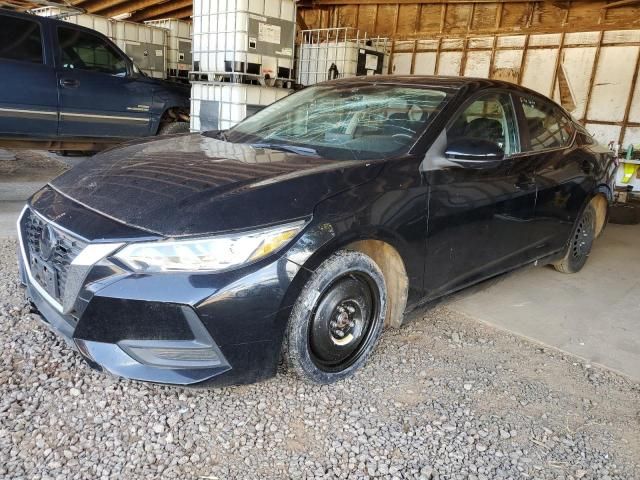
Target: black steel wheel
{"type": "Point", "coordinates": [337, 319]}
{"type": "Point", "coordinates": [580, 243]}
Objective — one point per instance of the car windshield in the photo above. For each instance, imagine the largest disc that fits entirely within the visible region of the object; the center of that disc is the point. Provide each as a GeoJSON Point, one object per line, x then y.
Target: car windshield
{"type": "Point", "coordinates": [343, 122]}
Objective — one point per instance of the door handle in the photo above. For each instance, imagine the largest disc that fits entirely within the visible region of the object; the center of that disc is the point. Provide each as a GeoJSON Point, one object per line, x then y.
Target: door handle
{"type": "Point", "coordinates": [69, 83]}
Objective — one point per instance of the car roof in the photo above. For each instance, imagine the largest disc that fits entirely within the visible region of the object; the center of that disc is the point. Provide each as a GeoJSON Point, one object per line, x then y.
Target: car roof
{"type": "Point", "coordinates": [452, 84]}
{"type": "Point", "coordinates": [436, 81]}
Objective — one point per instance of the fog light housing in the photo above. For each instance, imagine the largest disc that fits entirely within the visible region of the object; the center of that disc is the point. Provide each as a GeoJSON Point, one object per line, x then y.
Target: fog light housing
{"type": "Point", "coordinates": [201, 352]}
{"type": "Point", "coordinates": [173, 354]}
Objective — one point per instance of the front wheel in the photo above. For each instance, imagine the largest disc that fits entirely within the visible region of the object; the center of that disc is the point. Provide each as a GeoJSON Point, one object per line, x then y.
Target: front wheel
{"type": "Point", "coordinates": [580, 243]}
{"type": "Point", "coordinates": [337, 319]}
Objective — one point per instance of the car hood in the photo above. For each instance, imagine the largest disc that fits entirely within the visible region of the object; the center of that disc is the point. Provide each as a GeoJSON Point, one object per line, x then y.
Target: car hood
{"type": "Point", "coordinates": [195, 184]}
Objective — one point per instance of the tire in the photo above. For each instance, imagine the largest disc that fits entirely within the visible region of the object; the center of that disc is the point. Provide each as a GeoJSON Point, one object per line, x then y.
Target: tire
{"type": "Point", "coordinates": [580, 243]}
{"type": "Point", "coordinates": [173, 128]}
{"type": "Point", "coordinates": [337, 319]}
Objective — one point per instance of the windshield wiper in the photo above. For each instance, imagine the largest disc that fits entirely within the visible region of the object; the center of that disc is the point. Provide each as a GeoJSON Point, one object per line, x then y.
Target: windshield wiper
{"type": "Point", "coordinates": [286, 148]}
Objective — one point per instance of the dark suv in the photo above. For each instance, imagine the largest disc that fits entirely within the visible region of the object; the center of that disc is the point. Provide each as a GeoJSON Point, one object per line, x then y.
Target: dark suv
{"type": "Point", "coordinates": [69, 87]}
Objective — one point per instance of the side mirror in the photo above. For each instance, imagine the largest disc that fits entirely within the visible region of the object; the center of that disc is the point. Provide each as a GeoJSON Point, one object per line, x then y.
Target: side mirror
{"type": "Point", "coordinates": [474, 150]}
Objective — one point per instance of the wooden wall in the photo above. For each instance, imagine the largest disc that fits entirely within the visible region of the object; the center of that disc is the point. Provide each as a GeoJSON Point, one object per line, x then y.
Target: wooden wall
{"type": "Point", "coordinates": [402, 20]}
{"type": "Point", "coordinates": [583, 55]}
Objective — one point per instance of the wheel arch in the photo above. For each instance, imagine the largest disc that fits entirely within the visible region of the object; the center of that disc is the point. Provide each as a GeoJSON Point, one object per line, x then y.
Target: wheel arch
{"type": "Point", "coordinates": [171, 113]}
{"type": "Point", "coordinates": [600, 200]}
{"type": "Point", "coordinates": [383, 247]}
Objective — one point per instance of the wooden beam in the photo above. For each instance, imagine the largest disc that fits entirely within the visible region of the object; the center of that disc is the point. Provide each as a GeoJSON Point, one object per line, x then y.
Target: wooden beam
{"type": "Point", "coordinates": [523, 61]}
{"type": "Point", "coordinates": [621, 3]}
{"type": "Point", "coordinates": [393, 2]}
{"type": "Point", "coordinates": [592, 79]}
{"type": "Point", "coordinates": [94, 6]}
{"type": "Point", "coordinates": [184, 14]}
{"type": "Point", "coordinates": [164, 9]}
{"type": "Point", "coordinates": [302, 25]}
{"type": "Point", "coordinates": [124, 7]}
{"type": "Point", "coordinates": [627, 110]}
{"type": "Point", "coordinates": [443, 17]}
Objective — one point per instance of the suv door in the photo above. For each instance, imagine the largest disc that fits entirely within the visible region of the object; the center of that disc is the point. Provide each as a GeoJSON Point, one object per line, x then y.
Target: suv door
{"type": "Point", "coordinates": [28, 97]}
{"type": "Point", "coordinates": [100, 96]}
{"type": "Point", "coordinates": [564, 172]}
{"type": "Point", "coordinates": [480, 212]}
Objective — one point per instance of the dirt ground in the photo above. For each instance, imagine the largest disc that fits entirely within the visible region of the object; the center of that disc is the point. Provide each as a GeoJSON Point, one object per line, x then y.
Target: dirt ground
{"type": "Point", "coordinates": [443, 397]}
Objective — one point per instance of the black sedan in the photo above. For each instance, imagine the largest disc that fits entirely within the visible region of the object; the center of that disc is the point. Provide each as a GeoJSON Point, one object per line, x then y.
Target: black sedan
{"type": "Point", "coordinates": [300, 233]}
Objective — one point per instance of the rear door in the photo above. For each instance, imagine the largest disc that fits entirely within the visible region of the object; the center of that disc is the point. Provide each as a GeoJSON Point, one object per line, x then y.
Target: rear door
{"type": "Point", "coordinates": [28, 97]}
{"type": "Point", "coordinates": [564, 172]}
{"type": "Point", "coordinates": [100, 96]}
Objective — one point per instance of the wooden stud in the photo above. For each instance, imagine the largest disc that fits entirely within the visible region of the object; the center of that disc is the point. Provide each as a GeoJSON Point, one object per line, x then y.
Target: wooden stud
{"type": "Point", "coordinates": [627, 109]}
{"type": "Point", "coordinates": [594, 70]}
{"type": "Point", "coordinates": [357, 16]}
{"type": "Point", "coordinates": [395, 20]}
{"type": "Point", "coordinates": [413, 57]}
{"type": "Point", "coordinates": [437, 64]}
{"type": "Point", "coordinates": [524, 59]}
{"type": "Point", "coordinates": [493, 55]}
{"type": "Point", "coordinates": [375, 23]}
{"type": "Point", "coordinates": [416, 26]}
{"type": "Point", "coordinates": [557, 66]}
{"type": "Point", "coordinates": [463, 60]}
{"type": "Point", "coordinates": [443, 17]}
{"type": "Point", "coordinates": [499, 15]}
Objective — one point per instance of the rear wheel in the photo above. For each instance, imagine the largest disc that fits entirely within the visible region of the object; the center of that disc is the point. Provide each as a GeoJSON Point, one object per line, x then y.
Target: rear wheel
{"type": "Point", "coordinates": [337, 319]}
{"type": "Point", "coordinates": [580, 243]}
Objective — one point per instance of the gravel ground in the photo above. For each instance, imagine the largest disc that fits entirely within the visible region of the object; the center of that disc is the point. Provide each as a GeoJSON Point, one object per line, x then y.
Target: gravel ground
{"type": "Point", "coordinates": [444, 397]}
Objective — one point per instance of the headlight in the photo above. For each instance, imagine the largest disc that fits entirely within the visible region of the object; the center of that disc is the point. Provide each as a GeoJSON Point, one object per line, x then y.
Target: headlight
{"type": "Point", "coordinates": [207, 254]}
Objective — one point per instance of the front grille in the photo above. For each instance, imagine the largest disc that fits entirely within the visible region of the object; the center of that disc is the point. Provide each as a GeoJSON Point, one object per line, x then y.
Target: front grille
{"type": "Point", "coordinates": [65, 251]}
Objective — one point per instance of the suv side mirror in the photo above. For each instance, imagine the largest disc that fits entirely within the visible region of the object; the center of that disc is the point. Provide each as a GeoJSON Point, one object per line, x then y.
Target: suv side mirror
{"type": "Point", "coordinates": [472, 150]}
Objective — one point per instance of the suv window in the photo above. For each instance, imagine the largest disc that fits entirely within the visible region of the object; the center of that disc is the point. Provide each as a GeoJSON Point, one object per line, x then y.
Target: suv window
{"type": "Point", "coordinates": [548, 126]}
{"type": "Point", "coordinates": [20, 39]}
{"type": "Point", "coordinates": [84, 51]}
{"type": "Point", "coordinates": [490, 117]}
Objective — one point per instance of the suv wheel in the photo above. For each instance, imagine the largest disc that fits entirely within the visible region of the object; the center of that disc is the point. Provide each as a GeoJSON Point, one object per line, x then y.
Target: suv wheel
{"type": "Point", "coordinates": [337, 319]}
{"type": "Point", "coordinates": [173, 128]}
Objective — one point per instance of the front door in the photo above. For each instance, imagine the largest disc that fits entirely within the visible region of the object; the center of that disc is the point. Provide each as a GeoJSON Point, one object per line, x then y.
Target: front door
{"type": "Point", "coordinates": [28, 97]}
{"type": "Point", "coordinates": [99, 94]}
{"type": "Point", "coordinates": [479, 213]}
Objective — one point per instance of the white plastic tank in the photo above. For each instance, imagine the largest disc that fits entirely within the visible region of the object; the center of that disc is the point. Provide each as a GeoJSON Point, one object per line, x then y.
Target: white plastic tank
{"type": "Point", "coordinates": [254, 37]}
{"type": "Point", "coordinates": [179, 33]}
{"type": "Point", "coordinates": [219, 106]}
{"type": "Point", "coordinates": [328, 53]}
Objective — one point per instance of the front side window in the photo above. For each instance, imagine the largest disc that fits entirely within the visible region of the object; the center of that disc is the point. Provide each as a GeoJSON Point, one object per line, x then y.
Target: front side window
{"type": "Point", "coordinates": [83, 51]}
{"type": "Point", "coordinates": [345, 122]}
{"type": "Point", "coordinates": [490, 117]}
{"type": "Point", "coordinates": [20, 39]}
{"type": "Point", "coordinates": [548, 127]}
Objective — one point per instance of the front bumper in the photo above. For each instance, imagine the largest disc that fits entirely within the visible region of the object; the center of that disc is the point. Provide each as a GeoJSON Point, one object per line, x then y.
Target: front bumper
{"type": "Point", "coordinates": [183, 329]}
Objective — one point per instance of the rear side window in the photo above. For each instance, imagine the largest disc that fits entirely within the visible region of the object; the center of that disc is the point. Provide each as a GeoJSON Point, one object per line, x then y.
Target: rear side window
{"type": "Point", "coordinates": [20, 39]}
{"type": "Point", "coordinates": [83, 51]}
{"type": "Point", "coordinates": [548, 126]}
